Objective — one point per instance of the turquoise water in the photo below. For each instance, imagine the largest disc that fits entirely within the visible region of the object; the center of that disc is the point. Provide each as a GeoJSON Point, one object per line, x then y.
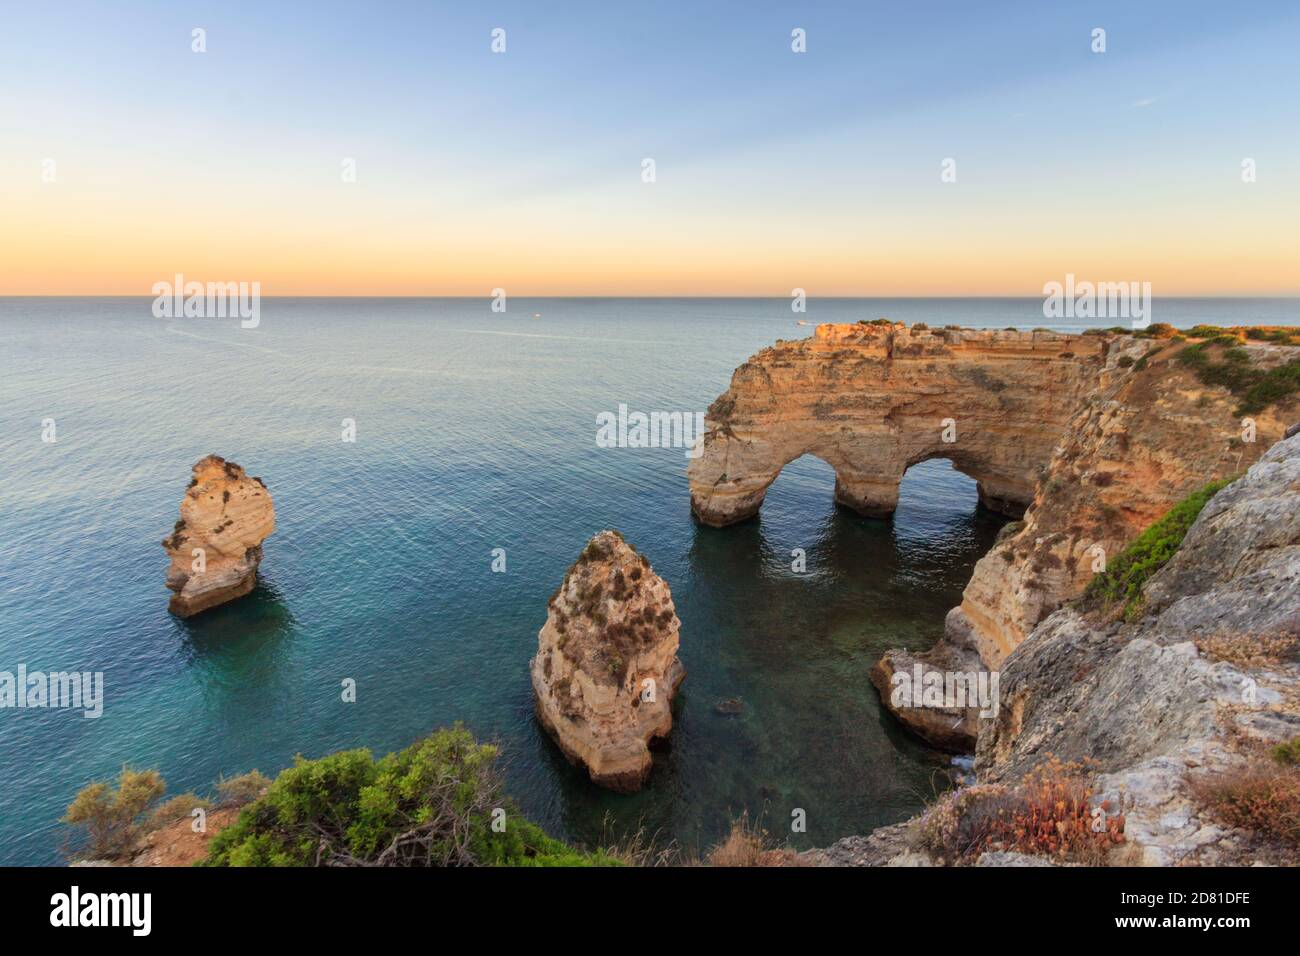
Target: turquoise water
{"type": "Point", "coordinates": [475, 431]}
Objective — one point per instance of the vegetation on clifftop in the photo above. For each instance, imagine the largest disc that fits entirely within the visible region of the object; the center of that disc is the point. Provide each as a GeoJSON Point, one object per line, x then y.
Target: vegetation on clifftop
{"type": "Point", "coordinates": [1256, 388]}
{"type": "Point", "coordinates": [1262, 796]}
{"type": "Point", "coordinates": [108, 822]}
{"type": "Point", "coordinates": [1126, 575]}
{"type": "Point", "coordinates": [1048, 813]}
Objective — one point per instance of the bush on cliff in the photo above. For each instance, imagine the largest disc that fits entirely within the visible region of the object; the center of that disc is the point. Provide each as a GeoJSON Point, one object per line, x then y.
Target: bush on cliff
{"type": "Point", "coordinates": [1256, 388]}
{"type": "Point", "coordinates": [112, 823]}
{"type": "Point", "coordinates": [1263, 796]}
{"type": "Point", "coordinates": [433, 804]}
{"type": "Point", "coordinates": [113, 819]}
{"type": "Point", "coordinates": [1126, 575]}
{"type": "Point", "coordinates": [1048, 813]}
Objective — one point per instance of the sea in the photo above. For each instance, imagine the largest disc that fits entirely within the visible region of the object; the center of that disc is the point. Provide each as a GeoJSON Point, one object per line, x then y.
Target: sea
{"type": "Point", "coordinates": [475, 443]}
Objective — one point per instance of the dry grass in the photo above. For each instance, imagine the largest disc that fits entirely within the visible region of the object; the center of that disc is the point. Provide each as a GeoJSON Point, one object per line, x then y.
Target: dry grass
{"type": "Point", "coordinates": [1250, 650]}
{"type": "Point", "coordinates": [1264, 797]}
{"type": "Point", "coordinates": [1049, 813]}
{"type": "Point", "coordinates": [640, 848]}
{"type": "Point", "coordinates": [749, 845]}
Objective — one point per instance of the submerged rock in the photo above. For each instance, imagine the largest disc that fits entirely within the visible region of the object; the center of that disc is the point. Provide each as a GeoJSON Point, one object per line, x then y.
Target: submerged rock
{"type": "Point", "coordinates": [606, 668]}
{"type": "Point", "coordinates": [217, 545]}
{"type": "Point", "coordinates": [729, 707]}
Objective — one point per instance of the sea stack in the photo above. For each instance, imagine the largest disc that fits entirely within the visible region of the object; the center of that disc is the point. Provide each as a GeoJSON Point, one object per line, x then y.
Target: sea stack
{"type": "Point", "coordinates": [225, 516]}
{"type": "Point", "coordinates": [606, 668]}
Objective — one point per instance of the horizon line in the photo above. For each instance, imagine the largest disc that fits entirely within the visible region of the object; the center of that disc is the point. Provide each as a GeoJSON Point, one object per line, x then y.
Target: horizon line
{"type": "Point", "coordinates": [525, 295]}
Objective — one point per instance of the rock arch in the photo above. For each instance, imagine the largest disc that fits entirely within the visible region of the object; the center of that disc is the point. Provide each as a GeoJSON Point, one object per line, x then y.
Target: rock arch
{"type": "Point", "coordinates": [873, 400]}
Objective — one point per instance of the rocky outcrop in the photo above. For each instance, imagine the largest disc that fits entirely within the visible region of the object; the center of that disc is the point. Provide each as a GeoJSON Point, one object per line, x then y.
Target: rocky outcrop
{"type": "Point", "coordinates": [177, 843]}
{"type": "Point", "coordinates": [606, 668]}
{"type": "Point", "coordinates": [1208, 675]}
{"type": "Point", "coordinates": [872, 400]}
{"type": "Point", "coordinates": [1151, 702]}
{"type": "Point", "coordinates": [1147, 437]}
{"type": "Point", "coordinates": [952, 670]}
{"type": "Point", "coordinates": [1092, 437]}
{"type": "Point", "coordinates": [216, 547]}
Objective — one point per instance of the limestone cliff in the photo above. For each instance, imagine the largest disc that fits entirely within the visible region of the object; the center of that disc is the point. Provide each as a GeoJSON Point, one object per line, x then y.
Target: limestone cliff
{"type": "Point", "coordinates": [872, 400]}
{"type": "Point", "coordinates": [1194, 688]}
{"type": "Point", "coordinates": [1142, 441]}
{"type": "Point", "coordinates": [606, 668]}
{"type": "Point", "coordinates": [1092, 436]}
{"type": "Point", "coordinates": [216, 547]}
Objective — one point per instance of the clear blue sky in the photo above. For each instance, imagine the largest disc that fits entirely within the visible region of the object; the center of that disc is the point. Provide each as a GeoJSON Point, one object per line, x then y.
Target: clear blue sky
{"type": "Point", "coordinates": [820, 170]}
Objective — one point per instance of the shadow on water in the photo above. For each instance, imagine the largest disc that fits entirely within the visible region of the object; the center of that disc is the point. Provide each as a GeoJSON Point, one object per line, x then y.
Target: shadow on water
{"type": "Point", "coordinates": [244, 630]}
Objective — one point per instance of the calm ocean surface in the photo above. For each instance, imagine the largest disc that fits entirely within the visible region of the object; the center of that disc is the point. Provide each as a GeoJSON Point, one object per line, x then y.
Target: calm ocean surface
{"type": "Point", "coordinates": [475, 431]}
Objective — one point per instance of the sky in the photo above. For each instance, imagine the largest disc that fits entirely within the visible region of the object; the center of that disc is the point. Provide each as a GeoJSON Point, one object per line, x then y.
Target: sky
{"type": "Point", "coordinates": [126, 157]}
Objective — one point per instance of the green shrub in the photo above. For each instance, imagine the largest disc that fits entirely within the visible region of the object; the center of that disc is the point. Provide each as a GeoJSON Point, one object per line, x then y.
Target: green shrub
{"type": "Point", "coordinates": [1274, 385]}
{"type": "Point", "coordinates": [1287, 753]}
{"type": "Point", "coordinates": [1126, 575]}
{"type": "Point", "coordinates": [114, 819]}
{"type": "Point", "coordinates": [431, 804]}
{"type": "Point", "coordinates": [241, 789]}
{"type": "Point", "coordinates": [175, 808]}
{"type": "Point", "coordinates": [1255, 388]}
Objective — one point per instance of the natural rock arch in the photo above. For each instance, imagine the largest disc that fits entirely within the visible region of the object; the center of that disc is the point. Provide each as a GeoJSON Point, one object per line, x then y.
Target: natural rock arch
{"type": "Point", "coordinates": [873, 400]}
{"type": "Point", "coordinates": [1099, 434]}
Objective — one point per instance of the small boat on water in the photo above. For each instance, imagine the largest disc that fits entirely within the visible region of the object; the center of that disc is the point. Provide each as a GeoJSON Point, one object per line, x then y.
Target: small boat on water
{"type": "Point", "coordinates": [801, 322]}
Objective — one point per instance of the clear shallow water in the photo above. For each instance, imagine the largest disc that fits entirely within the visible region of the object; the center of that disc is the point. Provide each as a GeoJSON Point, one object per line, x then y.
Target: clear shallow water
{"type": "Point", "coordinates": [475, 431]}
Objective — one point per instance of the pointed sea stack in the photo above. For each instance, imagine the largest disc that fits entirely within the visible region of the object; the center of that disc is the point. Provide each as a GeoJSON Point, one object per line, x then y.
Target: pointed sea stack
{"type": "Point", "coordinates": [226, 515]}
{"type": "Point", "coordinates": [606, 668]}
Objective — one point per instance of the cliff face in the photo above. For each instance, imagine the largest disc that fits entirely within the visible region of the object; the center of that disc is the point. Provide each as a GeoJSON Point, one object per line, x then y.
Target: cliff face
{"type": "Point", "coordinates": [872, 400]}
{"type": "Point", "coordinates": [1138, 444]}
{"type": "Point", "coordinates": [1193, 689]}
{"type": "Point", "coordinates": [606, 668]}
{"type": "Point", "coordinates": [1092, 436]}
{"type": "Point", "coordinates": [226, 516]}
{"type": "Point", "coordinates": [1155, 700]}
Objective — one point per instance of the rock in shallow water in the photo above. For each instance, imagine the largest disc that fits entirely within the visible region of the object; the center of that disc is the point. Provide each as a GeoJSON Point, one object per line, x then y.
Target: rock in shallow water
{"type": "Point", "coordinates": [217, 545]}
{"type": "Point", "coordinates": [606, 668]}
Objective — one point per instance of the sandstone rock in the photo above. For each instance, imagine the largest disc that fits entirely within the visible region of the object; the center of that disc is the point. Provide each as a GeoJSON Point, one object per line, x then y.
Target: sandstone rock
{"type": "Point", "coordinates": [1136, 446]}
{"type": "Point", "coordinates": [1149, 708]}
{"type": "Point", "coordinates": [176, 843]}
{"type": "Point", "coordinates": [885, 846]}
{"type": "Point", "coordinates": [606, 668]}
{"type": "Point", "coordinates": [954, 729]}
{"type": "Point", "coordinates": [226, 515]}
{"type": "Point", "coordinates": [871, 400]}
{"type": "Point", "coordinates": [1238, 568]}
{"type": "Point", "coordinates": [1092, 437]}
{"type": "Point", "coordinates": [1004, 858]}
{"type": "Point", "coordinates": [1142, 700]}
